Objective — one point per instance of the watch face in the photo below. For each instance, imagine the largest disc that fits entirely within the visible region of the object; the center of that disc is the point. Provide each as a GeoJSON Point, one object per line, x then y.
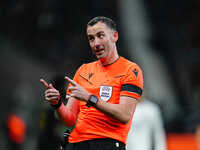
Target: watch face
{"type": "Point", "coordinates": [93, 99]}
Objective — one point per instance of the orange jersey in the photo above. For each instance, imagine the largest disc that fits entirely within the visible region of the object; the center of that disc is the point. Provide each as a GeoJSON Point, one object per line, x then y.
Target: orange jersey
{"type": "Point", "coordinates": [108, 83]}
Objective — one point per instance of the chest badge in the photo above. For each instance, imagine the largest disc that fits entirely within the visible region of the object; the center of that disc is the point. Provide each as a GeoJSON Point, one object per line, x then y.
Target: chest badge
{"type": "Point", "coordinates": [105, 92]}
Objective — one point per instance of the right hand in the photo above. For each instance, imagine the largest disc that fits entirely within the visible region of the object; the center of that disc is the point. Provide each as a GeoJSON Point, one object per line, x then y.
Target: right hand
{"type": "Point", "coordinates": [51, 94]}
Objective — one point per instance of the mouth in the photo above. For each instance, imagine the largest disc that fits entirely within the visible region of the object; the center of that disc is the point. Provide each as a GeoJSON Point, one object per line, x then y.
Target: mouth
{"type": "Point", "coordinates": [99, 50]}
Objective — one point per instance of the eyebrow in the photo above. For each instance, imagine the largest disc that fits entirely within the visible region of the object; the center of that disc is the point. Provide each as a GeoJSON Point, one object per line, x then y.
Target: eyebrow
{"type": "Point", "coordinates": [100, 32]}
{"type": "Point", "coordinates": [89, 35]}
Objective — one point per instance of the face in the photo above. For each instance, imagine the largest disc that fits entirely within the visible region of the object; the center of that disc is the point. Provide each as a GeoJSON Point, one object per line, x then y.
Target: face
{"type": "Point", "coordinates": [102, 40]}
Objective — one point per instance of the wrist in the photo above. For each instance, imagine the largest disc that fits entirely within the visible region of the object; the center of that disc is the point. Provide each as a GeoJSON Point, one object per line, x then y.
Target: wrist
{"type": "Point", "coordinates": [56, 106]}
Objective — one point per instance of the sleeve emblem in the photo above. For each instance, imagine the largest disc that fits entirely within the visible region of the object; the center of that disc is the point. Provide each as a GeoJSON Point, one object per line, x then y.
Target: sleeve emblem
{"type": "Point", "coordinates": [135, 71]}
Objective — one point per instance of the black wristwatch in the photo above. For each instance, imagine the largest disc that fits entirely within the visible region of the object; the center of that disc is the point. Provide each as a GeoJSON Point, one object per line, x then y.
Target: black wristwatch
{"type": "Point", "coordinates": [92, 101]}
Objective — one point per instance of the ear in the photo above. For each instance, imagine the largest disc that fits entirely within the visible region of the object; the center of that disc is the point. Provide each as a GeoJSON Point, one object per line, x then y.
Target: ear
{"type": "Point", "coordinates": [115, 36]}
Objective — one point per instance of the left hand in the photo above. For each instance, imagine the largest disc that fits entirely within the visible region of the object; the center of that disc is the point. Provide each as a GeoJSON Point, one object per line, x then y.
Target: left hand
{"type": "Point", "coordinates": [52, 95]}
{"type": "Point", "coordinates": [77, 91]}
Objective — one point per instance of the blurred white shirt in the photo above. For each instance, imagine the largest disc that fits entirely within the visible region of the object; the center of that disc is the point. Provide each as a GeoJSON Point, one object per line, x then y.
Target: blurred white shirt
{"type": "Point", "coordinates": [147, 130]}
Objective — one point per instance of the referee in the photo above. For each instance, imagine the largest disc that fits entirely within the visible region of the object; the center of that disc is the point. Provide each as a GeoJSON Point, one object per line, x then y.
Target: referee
{"type": "Point", "coordinates": [102, 95]}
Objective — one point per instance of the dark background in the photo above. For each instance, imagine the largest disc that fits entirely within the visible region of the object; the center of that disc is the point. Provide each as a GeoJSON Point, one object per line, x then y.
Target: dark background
{"type": "Point", "coordinates": [47, 38]}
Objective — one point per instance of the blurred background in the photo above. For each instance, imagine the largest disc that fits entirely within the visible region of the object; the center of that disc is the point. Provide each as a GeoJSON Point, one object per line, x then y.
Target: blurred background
{"type": "Point", "coordinates": [47, 39]}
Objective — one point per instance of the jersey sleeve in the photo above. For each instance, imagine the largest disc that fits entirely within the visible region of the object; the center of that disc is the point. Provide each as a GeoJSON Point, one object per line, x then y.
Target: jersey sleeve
{"type": "Point", "coordinates": [132, 82]}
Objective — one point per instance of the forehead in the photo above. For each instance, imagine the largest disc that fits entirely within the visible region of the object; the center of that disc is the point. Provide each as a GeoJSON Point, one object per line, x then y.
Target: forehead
{"type": "Point", "coordinates": [98, 27]}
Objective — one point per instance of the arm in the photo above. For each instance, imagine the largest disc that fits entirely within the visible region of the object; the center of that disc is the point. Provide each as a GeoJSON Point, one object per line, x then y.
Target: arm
{"type": "Point", "coordinates": [122, 111]}
{"type": "Point", "coordinates": [69, 113]}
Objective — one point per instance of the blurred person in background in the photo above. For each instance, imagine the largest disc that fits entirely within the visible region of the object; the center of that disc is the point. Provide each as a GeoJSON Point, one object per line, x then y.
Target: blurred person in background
{"type": "Point", "coordinates": [102, 95]}
{"type": "Point", "coordinates": [147, 131]}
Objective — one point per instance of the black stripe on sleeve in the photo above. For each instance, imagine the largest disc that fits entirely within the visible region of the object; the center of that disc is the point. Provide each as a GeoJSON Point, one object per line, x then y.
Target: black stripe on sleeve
{"type": "Point", "coordinates": [131, 88]}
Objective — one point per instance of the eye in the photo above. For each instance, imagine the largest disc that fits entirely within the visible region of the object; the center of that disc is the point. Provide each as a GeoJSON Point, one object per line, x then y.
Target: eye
{"type": "Point", "coordinates": [101, 35]}
{"type": "Point", "coordinates": [90, 38]}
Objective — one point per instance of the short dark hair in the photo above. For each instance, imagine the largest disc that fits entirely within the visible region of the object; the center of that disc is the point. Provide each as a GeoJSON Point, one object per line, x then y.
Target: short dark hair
{"type": "Point", "coordinates": [107, 21]}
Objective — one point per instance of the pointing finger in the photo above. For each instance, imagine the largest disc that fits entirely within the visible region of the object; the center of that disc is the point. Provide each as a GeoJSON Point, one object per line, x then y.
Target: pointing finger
{"type": "Point", "coordinates": [51, 86]}
{"type": "Point", "coordinates": [73, 88]}
{"type": "Point", "coordinates": [70, 81]}
{"type": "Point", "coordinates": [46, 85]}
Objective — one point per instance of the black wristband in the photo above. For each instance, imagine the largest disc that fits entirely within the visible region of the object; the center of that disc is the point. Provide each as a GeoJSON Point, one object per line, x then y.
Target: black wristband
{"type": "Point", "coordinates": [56, 106]}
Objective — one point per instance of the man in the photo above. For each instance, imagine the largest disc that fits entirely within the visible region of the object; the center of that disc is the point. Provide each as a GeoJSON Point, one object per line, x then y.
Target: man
{"type": "Point", "coordinates": [103, 94]}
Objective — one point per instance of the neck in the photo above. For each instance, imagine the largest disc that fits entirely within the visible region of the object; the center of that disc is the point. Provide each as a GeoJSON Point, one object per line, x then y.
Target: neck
{"type": "Point", "coordinates": [111, 58]}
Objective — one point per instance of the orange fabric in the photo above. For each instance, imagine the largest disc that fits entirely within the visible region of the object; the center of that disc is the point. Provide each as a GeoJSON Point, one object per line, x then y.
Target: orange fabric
{"type": "Point", "coordinates": [184, 141]}
{"type": "Point", "coordinates": [105, 82]}
{"type": "Point", "coordinates": [17, 128]}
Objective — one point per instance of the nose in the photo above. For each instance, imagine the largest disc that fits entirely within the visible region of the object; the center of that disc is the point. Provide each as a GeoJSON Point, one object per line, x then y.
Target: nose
{"type": "Point", "coordinates": [96, 42]}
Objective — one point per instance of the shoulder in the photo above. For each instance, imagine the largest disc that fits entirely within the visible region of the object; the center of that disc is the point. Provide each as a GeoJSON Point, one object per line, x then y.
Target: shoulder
{"type": "Point", "coordinates": [90, 64]}
{"type": "Point", "coordinates": [84, 69]}
{"type": "Point", "coordinates": [87, 67]}
{"type": "Point", "coordinates": [128, 64]}
{"type": "Point", "coordinates": [131, 68]}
